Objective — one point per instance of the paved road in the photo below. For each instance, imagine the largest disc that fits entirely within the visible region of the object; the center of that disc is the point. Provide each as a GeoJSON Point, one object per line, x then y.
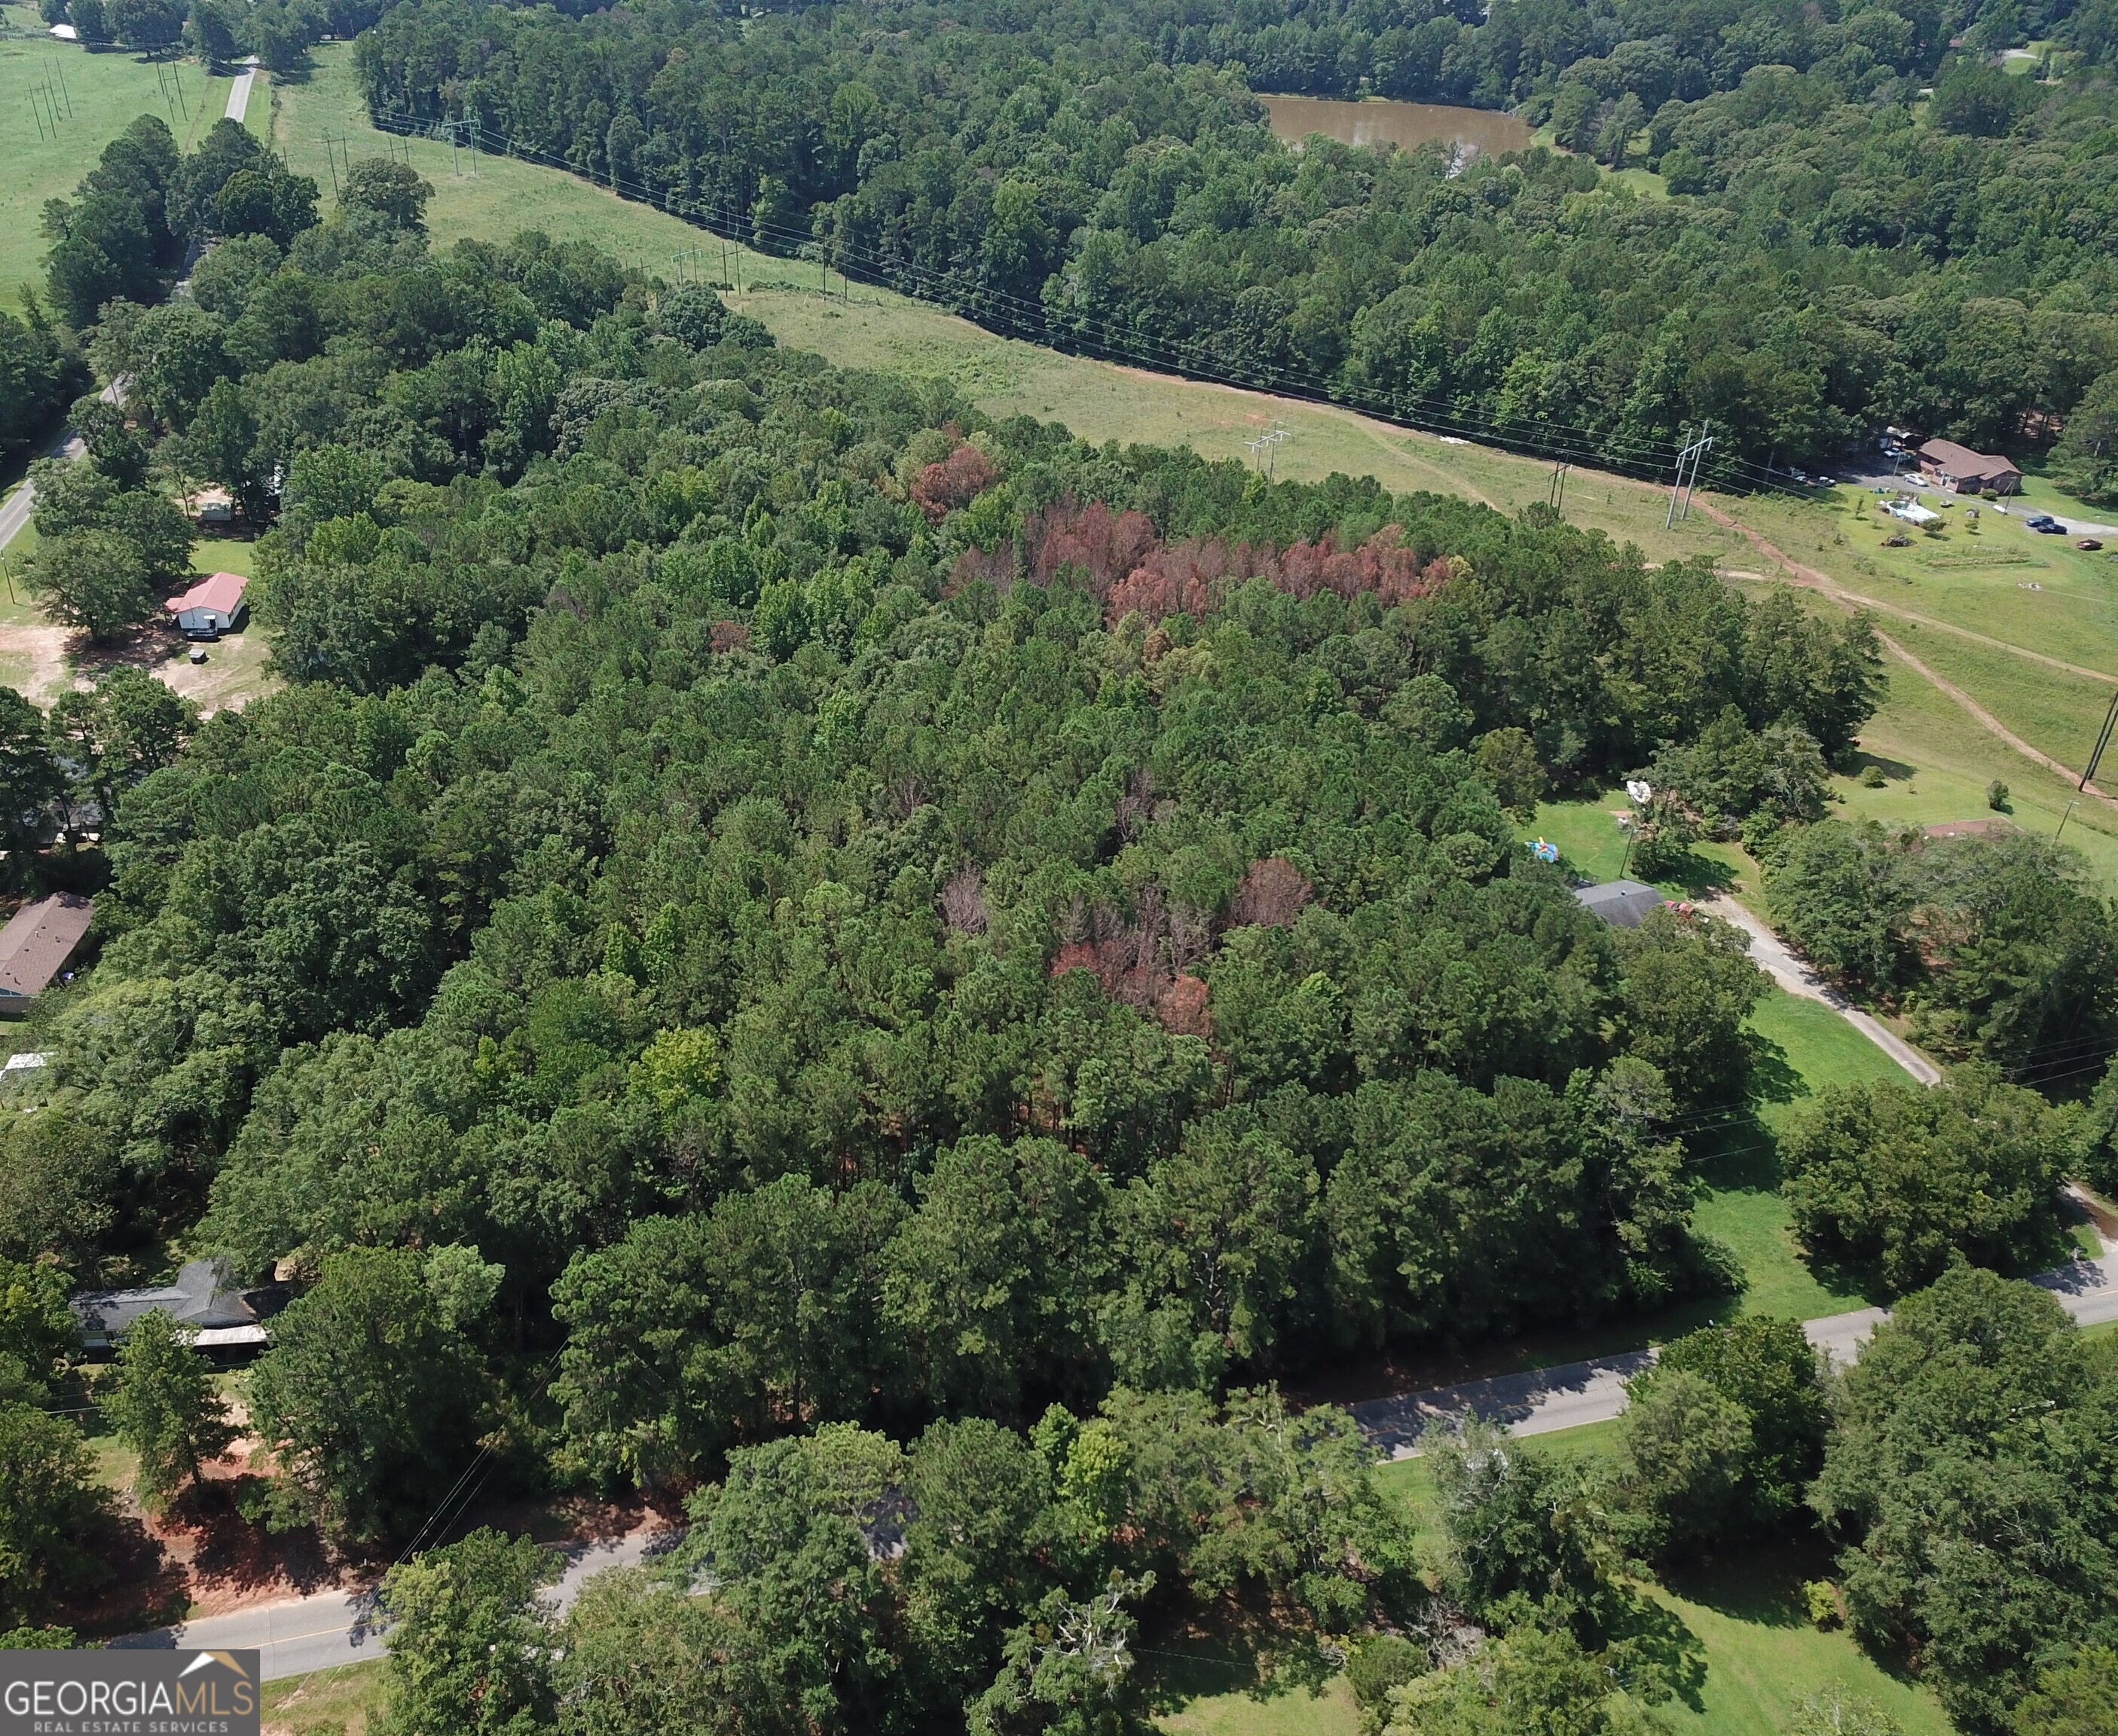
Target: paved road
{"type": "Point", "coordinates": [1796, 978]}
{"type": "Point", "coordinates": [15, 511]}
{"type": "Point", "coordinates": [1547, 1400]}
{"type": "Point", "coordinates": [336, 1627]}
{"type": "Point", "coordinates": [238, 93]}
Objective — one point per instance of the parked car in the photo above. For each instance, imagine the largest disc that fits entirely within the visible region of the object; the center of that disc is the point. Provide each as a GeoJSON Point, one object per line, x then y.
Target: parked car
{"type": "Point", "coordinates": [2090, 542]}
{"type": "Point", "coordinates": [2045, 524]}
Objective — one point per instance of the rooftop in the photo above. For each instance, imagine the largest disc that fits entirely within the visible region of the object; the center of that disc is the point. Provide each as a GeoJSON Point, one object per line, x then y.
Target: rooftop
{"type": "Point", "coordinates": [222, 593]}
{"type": "Point", "coordinates": [37, 940]}
{"type": "Point", "coordinates": [1624, 904]}
{"type": "Point", "coordinates": [203, 1294]}
{"type": "Point", "coordinates": [1960, 460]}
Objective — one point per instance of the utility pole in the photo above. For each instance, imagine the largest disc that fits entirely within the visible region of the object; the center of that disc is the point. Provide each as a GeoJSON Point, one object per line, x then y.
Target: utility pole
{"type": "Point", "coordinates": [1272, 442]}
{"type": "Point", "coordinates": [1555, 495]}
{"type": "Point", "coordinates": [2102, 741]}
{"type": "Point", "coordinates": [1705, 446]}
{"type": "Point", "coordinates": [1692, 454]}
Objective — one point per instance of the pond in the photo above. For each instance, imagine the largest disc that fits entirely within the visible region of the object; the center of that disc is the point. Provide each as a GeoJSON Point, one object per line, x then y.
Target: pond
{"type": "Point", "coordinates": [1405, 124]}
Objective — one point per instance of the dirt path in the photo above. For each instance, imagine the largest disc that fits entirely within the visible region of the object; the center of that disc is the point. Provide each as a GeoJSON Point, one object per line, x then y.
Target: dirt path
{"type": "Point", "coordinates": [1810, 579]}
{"type": "Point", "coordinates": [1861, 600]}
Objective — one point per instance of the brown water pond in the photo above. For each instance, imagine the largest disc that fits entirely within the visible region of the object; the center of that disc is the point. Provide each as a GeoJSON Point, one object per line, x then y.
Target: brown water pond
{"type": "Point", "coordinates": [1405, 124]}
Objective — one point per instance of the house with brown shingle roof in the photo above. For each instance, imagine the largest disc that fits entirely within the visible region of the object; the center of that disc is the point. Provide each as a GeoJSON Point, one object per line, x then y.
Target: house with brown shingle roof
{"type": "Point", "coordinates": [35, 944]}
{"type": "Point", "coordinates": [1964, 471]}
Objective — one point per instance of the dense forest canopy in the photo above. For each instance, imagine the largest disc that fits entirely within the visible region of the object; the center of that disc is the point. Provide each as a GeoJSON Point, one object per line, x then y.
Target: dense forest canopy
{"type": "Point", "coordinates": [1841, 252]}
{"type": "Point", "coordinates": [727, 808]}
{"type": "Point", "coordinates": [888, 973]}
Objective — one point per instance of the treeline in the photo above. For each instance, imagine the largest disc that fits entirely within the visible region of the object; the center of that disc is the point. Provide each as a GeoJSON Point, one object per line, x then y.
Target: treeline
{"type": "Point", "coordinates": [41, 371]}
{"type": "Point", "coordinates": [279, 32]}
{"type": "Point", "coordinates": [1841, 256]}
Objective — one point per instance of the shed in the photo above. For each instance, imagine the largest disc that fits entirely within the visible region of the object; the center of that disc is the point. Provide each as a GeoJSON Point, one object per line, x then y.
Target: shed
{"type": "Point", "coordinates": [1964, 471]}
{"type": "Point", "coordinates": [1624, 904]}
{"type": "Point", "coordinates": [204, 1296]}
{"type": "Point", "coordinates": [35, 944]}
{"type": "Point", "coordinates": [212, 607]}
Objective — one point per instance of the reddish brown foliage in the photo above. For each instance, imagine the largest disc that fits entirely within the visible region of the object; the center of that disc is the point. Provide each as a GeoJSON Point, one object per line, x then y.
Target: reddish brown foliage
{"type": "Point", "coordinates": [1182, 1008]}
{"type": "Point", "coordinates": [1191, 578]}
{"type": "Point", "coordinates": [958, 480]}
{"type": "Point", "coordinates": [996, 567]}
{"type": "Point", "coordinates": [1274, 892]}
{"type": "Point", "coordinates": [1128, 569]}
{"type": "Point", "coordinates": [1142, 963]}
{"type": "Point", "coordinates": [728, 636]}
{"type": "Point", "coordinates": [1105, 544]}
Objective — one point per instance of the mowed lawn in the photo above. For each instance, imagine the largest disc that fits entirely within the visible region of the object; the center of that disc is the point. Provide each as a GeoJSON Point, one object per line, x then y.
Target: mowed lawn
{"type": "Point", "coordinates": [1802, 1046]}
{"type": "Point", "coordinates": [99, 95]}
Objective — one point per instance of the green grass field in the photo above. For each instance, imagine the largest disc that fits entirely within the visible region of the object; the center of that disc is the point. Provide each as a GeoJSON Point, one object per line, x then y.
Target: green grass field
{"type": "Point", "coordinates": [502, 198]}
{"type": "Point", "coordinates": [345, 1702]}
{"type": "Point", "coordinates": [102, 94]}
{"type": "Point", "coordinates": [1802, 1047]}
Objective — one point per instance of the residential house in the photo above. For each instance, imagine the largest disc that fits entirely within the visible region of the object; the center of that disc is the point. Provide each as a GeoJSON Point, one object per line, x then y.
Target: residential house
{"type": "Point", "coordinates": [1962, 472]}
{"type": "Point", "coordinates": [35, 944]}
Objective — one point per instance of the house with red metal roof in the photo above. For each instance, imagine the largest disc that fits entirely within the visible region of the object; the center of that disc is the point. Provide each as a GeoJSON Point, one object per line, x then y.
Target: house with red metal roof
{"type": "Point", "coordinates": [212, 607]}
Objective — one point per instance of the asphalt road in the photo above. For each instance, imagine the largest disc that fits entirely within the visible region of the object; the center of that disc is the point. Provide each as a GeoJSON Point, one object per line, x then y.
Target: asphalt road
{"type": "Point", "coordinates": [15, 513]}
{"type": "Point", "coordinates": [335, 1627]}
{"type": "Point", "coordinates": [1547, 1400]}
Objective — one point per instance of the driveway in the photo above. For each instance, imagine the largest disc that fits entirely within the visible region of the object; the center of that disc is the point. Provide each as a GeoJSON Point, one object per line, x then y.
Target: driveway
{"type": "Point", "coordinates": [1796, 978]}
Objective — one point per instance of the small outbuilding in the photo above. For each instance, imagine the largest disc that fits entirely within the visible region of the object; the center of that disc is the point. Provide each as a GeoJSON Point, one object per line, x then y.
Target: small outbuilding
{"type": "Point", "coordinates": [1962, 472]}
{"type": "Point", "coordinates": [204, 1297]}
{"type": "Point", "coordinates": [35, 944]}
{"type": "Point", "coordinates": [1624, 904]}
{"type": "Point", "coordinates": [212, 607]}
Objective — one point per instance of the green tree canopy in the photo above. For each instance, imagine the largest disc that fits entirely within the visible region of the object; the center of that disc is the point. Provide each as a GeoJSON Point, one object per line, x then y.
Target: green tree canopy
{"type": "Point", "coordinates": [368, 1401]}
{"type": "Point", "coordinates": [160, 1398]}
{"type": "Point", "coordinates": [1980, 1538]}
{"type": "Point", "coordinates": [1894, 1180]}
